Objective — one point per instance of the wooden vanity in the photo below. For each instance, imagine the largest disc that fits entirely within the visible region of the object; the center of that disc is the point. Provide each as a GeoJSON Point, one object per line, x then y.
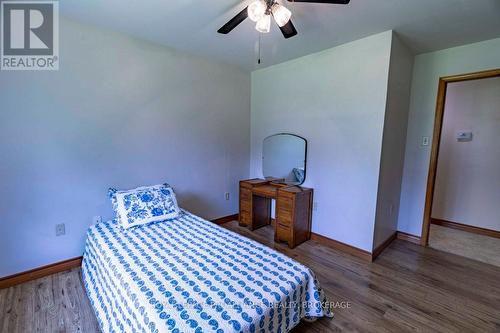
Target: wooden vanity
{"type": "Point", "coordinates": [293, 209]}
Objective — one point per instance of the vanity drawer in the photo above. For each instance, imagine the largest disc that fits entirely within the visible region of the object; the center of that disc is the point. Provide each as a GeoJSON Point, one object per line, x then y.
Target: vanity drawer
{"type": "Point", "coordinates": [245, 200]}
{"type": "Point", "coordinates": [283, 233]}
{"type": "Point", "coordinates": [245, 194]}
{"type": "Point", "coordinates": [245, 206]}
{"type": "Point", "coordinates": [245, 218]}
{"type": "Point", "coordinates": [284, 211]}
{"type": "Point", "coordinates": [284, 218]}
{"type": "Point", "coordinates": [284, 203]}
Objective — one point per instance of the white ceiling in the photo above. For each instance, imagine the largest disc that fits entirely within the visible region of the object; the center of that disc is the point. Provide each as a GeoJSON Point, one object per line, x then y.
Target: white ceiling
{"type": "Point", "coordinates": [191, 25]}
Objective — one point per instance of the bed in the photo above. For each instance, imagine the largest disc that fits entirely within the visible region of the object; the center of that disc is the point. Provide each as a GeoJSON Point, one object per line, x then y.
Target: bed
{"type": "Point", "coordinates": [190, 275]}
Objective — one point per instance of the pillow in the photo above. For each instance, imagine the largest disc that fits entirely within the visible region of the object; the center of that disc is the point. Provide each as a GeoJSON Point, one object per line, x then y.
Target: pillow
{"type": "Point", "coordinates": [144, 205]}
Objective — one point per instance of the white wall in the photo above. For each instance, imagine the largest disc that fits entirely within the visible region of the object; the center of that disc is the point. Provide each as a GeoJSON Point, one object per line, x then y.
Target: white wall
{"type": "Point", "coordinates": [336, 100]}
{"type": "Point", "coordinates": [468, 175]}
{"type": "Point", "coordinates": [119, 112]}
{"type": "Point", "coordinates": [393, 144]}
{"type": "Point", "coordinates": [427, 70]}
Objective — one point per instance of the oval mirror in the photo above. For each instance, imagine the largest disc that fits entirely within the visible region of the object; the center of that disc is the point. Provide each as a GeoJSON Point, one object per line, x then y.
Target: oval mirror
{"type": "Point", "coordinates": [284, 158]}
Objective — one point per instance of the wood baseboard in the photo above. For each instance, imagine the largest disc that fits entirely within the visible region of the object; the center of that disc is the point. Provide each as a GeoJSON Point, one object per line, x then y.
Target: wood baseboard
{"type": "Point", "coordinates": [365, 255]}
{"type": "Point", "coordinates": [408, 237]}
{"type": "Point", "coordinates": [465, 227]}
{"type": "Point", "coordinates": [226, 219]}
{"type": "Point", "coordinates": [62, 266]}
{"type": "Point", "coordinates": [379, 249]}
{"type": "Point", "coordinates": [39, 272]}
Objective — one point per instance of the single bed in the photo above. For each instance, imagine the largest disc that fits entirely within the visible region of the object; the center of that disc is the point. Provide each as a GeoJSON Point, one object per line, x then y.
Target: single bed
{"type": "Point", "coordinates": [190, 275]}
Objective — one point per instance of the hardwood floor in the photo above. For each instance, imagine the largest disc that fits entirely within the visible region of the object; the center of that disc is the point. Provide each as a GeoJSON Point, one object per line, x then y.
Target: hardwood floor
{"type": "Point", "coordinates": [55, 303]}
{"type": "Point", "coordinates": [408, 288]}
{"type": "Point", "coordinates": [470, 245]}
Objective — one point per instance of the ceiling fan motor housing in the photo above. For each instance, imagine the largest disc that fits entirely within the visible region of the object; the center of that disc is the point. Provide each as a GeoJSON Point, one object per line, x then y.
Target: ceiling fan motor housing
{"type": "Point", "coordinates": [272, 8]}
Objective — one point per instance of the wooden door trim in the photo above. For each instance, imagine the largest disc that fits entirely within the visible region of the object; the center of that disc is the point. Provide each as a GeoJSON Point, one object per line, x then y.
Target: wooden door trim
{"type": "Point", "coordinates": [436, 138]}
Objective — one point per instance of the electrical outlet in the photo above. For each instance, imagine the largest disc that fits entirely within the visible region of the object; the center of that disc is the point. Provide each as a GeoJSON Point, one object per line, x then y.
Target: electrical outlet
{"type": "Point", "coordinates": [96, 219]}
{"type": "Point", "coordinates": [226, 195]}
{"type": "Point", "coordinates": [315, 206]}
{"type": "Point", "coordinates": [60, 229]}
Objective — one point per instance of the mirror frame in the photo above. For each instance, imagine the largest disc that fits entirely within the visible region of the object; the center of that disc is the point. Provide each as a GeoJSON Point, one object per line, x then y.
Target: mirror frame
{"type": "Point", "coordinates": [305, 154]}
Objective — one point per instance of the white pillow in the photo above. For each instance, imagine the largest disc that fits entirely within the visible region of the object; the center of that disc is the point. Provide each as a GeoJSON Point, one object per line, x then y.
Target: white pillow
{"type": "Point", "coordinates": [145, 205]}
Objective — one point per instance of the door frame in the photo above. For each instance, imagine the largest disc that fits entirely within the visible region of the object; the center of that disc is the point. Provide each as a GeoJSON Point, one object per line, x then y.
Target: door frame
{"type": "Point", "coordinates": [436, 138]}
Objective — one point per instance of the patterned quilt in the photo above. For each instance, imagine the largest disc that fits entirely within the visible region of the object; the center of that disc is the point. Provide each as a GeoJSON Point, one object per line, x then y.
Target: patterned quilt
{"type": "Point", "coordinates": [190, 275]}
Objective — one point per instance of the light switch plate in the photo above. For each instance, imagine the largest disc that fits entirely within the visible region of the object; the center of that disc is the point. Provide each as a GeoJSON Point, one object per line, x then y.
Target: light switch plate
{"type": "Point", "coordinates": [464, 136]}
{"type": "Point", "coordinates": [425, 140]}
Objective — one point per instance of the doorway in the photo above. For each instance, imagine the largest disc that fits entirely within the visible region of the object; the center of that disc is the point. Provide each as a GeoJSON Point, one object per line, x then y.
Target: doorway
{"type": "Point", "coordinates": [462, 208]}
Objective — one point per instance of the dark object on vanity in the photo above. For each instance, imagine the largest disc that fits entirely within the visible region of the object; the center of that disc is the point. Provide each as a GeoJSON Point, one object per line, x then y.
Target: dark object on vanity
{"type": "Point", "coordinates": [293, 209]}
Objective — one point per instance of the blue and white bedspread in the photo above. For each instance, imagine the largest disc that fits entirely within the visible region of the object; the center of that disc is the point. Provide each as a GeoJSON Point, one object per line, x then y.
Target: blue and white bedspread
{"type": "Point", "coordinates": [190, 275]}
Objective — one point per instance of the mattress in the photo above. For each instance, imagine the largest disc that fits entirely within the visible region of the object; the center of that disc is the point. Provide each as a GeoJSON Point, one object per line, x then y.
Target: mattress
{"type": "Point", "coordinates": [190, 275]}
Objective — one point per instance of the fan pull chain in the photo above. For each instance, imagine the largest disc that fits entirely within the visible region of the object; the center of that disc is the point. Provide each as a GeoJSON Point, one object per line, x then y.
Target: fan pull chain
{"type": "Point", "coordinates": [260, 40]}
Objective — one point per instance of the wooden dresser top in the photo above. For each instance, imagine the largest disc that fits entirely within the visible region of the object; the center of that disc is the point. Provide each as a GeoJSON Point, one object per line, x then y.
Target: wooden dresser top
{"type": "Point", "coordinates": [267, 188]}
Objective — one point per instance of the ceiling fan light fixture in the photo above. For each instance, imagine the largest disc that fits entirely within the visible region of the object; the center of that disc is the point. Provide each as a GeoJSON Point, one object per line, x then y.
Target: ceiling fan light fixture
{"type": "Point", "coordinates": [257, 10]}
{"type": "Point", "coordinates": [264, 24]}
{"type": "Point", "coordinates": [281, 14]}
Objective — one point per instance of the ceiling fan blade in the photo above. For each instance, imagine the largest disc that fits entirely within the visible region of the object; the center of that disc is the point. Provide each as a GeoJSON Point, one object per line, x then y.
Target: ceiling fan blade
{"type": "Point", "coordinates": [338, 2]}
{"type": "Point", "coordinates": [288, 30]}
{"type": "Point", "coordinates": [234, 22]}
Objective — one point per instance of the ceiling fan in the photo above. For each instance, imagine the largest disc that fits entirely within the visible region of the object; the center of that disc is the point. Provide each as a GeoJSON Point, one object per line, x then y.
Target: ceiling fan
{"type": "Point", "coordinates": [260, 11]}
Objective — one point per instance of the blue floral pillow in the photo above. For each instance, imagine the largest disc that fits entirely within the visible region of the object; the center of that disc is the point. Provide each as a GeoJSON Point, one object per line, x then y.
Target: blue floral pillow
{"type": "Point", "coordinates": [144, 205]}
